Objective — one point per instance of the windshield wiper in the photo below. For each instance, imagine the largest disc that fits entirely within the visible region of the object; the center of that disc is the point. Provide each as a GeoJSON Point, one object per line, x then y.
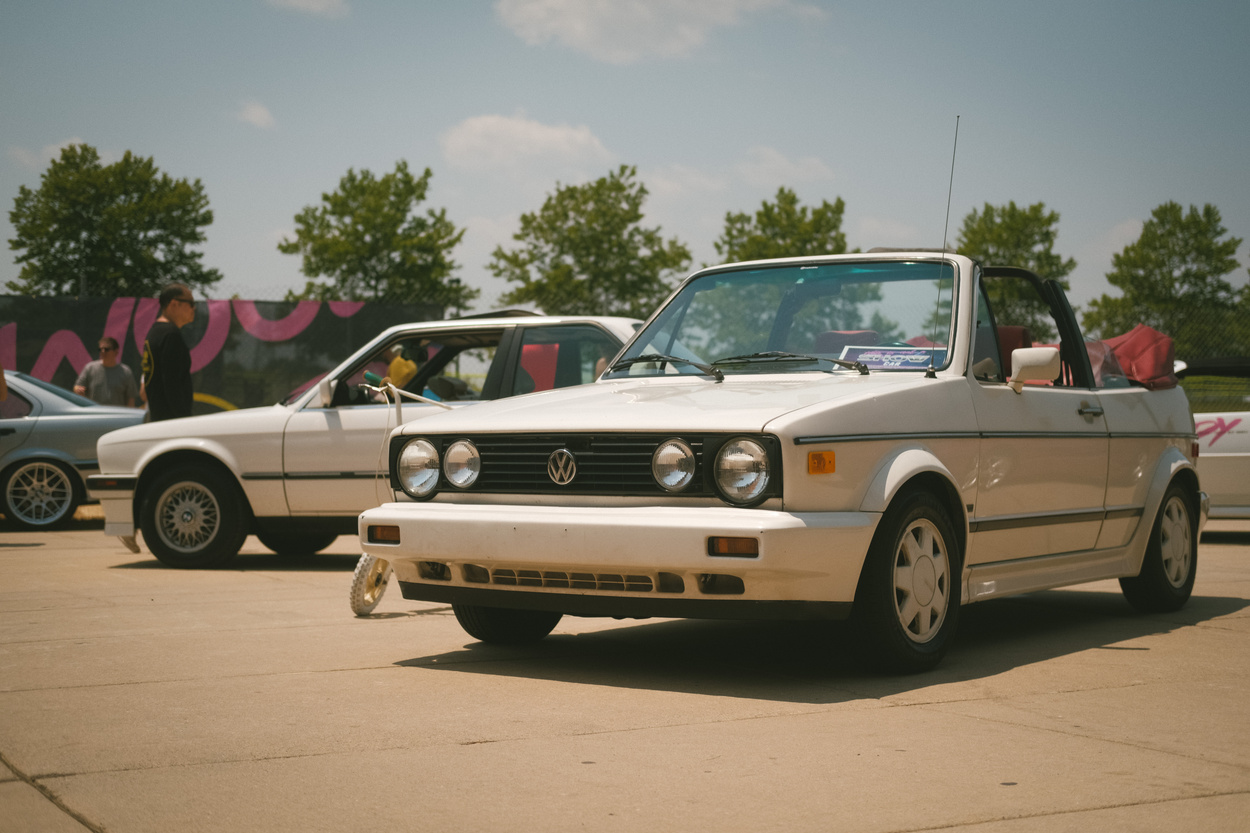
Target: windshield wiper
{"type": "Point", "coordinates": [782, 356]}
{"type": "Point", "coordinates": [705, 369]}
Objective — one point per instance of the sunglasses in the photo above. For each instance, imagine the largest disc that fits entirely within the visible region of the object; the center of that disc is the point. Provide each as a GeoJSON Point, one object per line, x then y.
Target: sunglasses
{"type": "Point", "coordinates": [107, 349]}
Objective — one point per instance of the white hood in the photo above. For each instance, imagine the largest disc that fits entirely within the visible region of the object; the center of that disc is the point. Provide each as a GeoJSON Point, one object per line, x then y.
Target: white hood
{"type": "Point", "coordinates": [740, 403]}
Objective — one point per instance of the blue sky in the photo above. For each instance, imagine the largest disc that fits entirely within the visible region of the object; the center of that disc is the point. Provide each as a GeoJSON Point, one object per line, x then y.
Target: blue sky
{"type": "Point", "coordinates": [1101, 110]}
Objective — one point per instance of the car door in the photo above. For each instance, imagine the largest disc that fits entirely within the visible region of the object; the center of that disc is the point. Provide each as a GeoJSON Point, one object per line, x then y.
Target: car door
{"type": "Point", "coordinates": [1042, 469]}
{"type": "Point", "coordinates": [334, 458]}
{"type": "Point", "coordinates": [18, 414]}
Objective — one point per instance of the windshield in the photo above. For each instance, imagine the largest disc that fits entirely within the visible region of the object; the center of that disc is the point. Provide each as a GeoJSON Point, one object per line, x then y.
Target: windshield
{"type": "Point", "coordinates": [874, 315]}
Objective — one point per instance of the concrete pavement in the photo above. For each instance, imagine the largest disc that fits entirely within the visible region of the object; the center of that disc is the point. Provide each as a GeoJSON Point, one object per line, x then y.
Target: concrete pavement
{"type": "Point", "coordinates": [138, 698]}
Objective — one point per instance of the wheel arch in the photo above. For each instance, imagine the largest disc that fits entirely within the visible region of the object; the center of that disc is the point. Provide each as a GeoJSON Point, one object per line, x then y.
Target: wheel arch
{"type": "Point", "coordinates": [918, 468]}
{"type": "Point", "coordinates": [1173, 467]}
{"type": "Point", "coordinates": [157, 466]}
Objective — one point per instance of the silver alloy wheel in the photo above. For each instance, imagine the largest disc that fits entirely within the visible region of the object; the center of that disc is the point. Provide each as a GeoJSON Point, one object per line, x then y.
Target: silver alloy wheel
{"type": "Point", "coordinates": [39, 494]}
{"type": "Point", "coordinates": [1175, 541]}
{"type": "Point", "coordinates": [922, 581]}
{"type": "Point", "coordinates": [187, 516]}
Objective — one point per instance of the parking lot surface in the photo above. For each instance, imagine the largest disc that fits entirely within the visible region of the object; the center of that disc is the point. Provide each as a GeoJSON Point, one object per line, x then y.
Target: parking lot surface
{"type": "Point", "coordinates": [134, 697]}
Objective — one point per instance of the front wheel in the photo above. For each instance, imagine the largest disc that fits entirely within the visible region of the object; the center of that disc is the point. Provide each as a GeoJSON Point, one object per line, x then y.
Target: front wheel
{"type": "Point", "coordinates": [503, 626]}
{"type": "Point", "coordinates": [194, 517]}
{"type": "Point", "coordinates": [907, 602]}
{"type": "Point", "coordinates": [1170, 566]}
{"type": "Point", "coordinates": [369, 583]}
{"type": "Point", "coordinates": [39, 494]}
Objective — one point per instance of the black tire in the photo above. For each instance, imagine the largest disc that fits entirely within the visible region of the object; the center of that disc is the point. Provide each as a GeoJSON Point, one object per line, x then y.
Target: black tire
{"type": "Point", "coordinates": [194, 517]}
{"type": "Point", "coordinates": [299, 543]}
{"type": "Point", "coordinates": [40, 494]}
{"type": "Point", "coordinates": [1170, 565]}
{"type": "Point", "coordinates": [502, 626]}
{"type": "Point", "coordinates": [907, 602]}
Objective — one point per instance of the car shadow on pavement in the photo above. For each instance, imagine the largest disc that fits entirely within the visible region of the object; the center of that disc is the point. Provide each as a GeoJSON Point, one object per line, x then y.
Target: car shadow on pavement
{"type": "Point", "coordinates": [324, 562]}
{"type": "Point", "coordinates": [814, 662]}
{"type": "Point", "coordinates": [1225, 537]}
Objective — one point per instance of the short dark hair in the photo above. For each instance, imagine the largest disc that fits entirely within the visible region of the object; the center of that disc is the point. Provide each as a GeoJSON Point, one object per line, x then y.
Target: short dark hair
{"type": "Point", "coordinates": [173, 292]}
{"type": "Point", "coordinates": [109, 341]}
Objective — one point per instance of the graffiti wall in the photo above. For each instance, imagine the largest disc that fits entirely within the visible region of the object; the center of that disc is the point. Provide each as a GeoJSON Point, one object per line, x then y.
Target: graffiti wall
{"type": "Point", "coordinates": [243, 353]}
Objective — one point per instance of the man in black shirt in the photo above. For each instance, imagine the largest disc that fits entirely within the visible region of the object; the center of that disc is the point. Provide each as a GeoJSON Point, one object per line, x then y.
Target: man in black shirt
{"type": "Point", "coordinates": [166, 359]}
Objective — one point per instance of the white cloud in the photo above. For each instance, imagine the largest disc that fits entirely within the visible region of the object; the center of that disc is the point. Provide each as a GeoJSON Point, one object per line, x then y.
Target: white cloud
{"type": "Point", "coordinates": [256, 114]}
{"type": "Point", "coordinates": [37, 160]}
{"type": "Point", "coordinates": [624, 31]}
{"type": "Point", "coordinates": [871, 232]}
{"type": "Point", "coordinates": [516, 144]}
{"type": "Point", "coordinates": [677, 181]}
{"type": "Point", "coordinates": [770, 168]}
{"type": "Point", "coordinates": [317, 8]}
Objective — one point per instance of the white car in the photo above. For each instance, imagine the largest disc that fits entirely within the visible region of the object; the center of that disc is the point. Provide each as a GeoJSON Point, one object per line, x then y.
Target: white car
{"type": "Point", "coordinates": [870, 436]}
{"type": "Point", "coordinates": [298, 473]}
{"type": "Point", "coordinates": [1219, 390]}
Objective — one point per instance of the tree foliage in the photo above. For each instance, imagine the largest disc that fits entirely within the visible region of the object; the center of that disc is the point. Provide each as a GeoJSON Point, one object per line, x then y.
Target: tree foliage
{"type": "Point", "coordinates": [368, 242]}
{"type": "Point", "coordinates": [585, 252]}
{"type": "Point", "coordinates": [783, 229]}
{"type": "Point", "coordinates": [1173, 279]}
{"type": "Point", "coordinates": [1025, 237]}
{"type": "Point", "coordinates": [124, 229]}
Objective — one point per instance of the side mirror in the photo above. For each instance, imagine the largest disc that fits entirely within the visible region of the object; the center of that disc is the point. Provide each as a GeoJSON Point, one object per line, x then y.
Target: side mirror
{"type": "Point", "coordinates": [1034, 364]}
{"type": "Point", "coordinates": [326, 388]}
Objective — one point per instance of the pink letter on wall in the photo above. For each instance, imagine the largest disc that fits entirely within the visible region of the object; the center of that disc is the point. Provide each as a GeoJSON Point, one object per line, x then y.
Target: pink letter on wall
{"type": "Point", "coordinates": [282, 329]}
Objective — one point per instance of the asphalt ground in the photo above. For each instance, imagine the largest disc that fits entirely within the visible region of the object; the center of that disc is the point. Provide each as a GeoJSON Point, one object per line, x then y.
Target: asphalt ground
{"type": "Point", "coordinates": [139, 698]}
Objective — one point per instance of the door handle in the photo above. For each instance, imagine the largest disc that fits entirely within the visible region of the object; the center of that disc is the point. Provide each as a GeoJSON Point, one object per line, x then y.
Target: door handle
{"type": "Point", "coordinates": [1089, 410]}
{"type": "Point", "coordinates": [4, 432]}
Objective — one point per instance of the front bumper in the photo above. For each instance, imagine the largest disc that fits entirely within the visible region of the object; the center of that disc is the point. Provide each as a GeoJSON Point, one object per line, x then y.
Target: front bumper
{"type": "Point", "coordinates": [624, 561]}
{"type": "Point", "coordinates": [116, 495]}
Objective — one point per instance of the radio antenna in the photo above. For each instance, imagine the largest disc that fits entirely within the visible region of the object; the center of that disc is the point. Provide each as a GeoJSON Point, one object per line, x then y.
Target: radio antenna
{"type": "Point", "coordinates": [931, 373]}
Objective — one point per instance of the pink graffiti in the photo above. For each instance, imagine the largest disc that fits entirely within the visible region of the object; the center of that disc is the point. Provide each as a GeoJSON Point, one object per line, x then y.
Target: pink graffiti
{"type": "Point", "coordinates": [214, 337]}
{"type": "Point", "coordinates": [118, 321]}
{"type": "Point", "coordinates": [1216, 427]}
{"type": "Point", "coordinates": [345, 309]}
{"type": "Point", "coordinates": [63, 344]}
{"type": "Point", "coordinates": [146, 312]}
{"type": "Point", "coordinates": [284, 328]}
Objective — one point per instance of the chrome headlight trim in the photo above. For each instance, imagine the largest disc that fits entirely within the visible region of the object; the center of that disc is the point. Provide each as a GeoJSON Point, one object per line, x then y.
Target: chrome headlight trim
{"type": "Point", "coordinates": [673, 464]}
{"type": "Point", "coordinates": [416, 468]}
{"type": "Point", "coordinates": [462, 463]}
{"type": "Point", "coordinates": [742, 470]}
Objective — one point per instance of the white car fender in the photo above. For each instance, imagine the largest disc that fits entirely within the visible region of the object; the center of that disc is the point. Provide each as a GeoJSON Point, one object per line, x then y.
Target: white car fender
{"type": "Point", "coordinates": [896, 469]}
{"type": "Point", "coordinates": [1171, 463]}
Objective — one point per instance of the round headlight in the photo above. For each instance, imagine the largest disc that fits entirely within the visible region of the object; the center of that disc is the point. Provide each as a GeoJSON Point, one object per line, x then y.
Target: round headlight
{"type": "Point", "coordinates": [417, 468]}
{"type": "Point", "coordinates": [742, 470]}
{"type": "Point", "coordinates": [462, 464]}
{"type": "Point", "coordinates": [672, 465]}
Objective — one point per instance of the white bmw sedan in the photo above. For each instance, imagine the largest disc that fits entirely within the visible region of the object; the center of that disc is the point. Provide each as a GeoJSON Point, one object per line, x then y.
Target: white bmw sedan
{"type": "Point", "coordinates": [298, 473]}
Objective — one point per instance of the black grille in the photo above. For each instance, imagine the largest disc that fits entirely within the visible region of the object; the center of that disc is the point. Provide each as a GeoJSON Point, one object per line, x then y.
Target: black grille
{"type": "Point", "coordinates": [607, 464]}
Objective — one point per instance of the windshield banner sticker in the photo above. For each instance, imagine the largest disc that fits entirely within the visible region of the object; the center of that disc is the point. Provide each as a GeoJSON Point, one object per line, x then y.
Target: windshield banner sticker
{"type": "Point", "coordinates": [895, 358]}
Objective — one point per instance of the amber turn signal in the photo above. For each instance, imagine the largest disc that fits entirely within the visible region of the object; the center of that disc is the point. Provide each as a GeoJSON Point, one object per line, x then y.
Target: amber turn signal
{"type": "Point", "coordinates": [383, 535]}
{"type": "Point", "coordinates": [737, 547]}
{"type": "Point", "coordinates": [820, 462]}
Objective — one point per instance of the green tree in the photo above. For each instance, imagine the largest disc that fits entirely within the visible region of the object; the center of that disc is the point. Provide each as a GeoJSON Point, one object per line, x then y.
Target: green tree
{"type": "Point", "coordinates": [1025, 237]}
{"type": "Point", "coordinates": [368, 242]}
{"type": "Point", "coordinates": [783, 229]}
{"type": "Point", "coordinates": [585, 252]}
{"type": "Point", "coordinates": [124, 229]}
{"type": "Point", "coordinates": [1173, 279]}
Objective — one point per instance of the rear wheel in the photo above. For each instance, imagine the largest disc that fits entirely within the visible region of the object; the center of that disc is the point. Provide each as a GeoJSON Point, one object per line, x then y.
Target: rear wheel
{"type": "Point", "coordinates": [194, 517]}
{"type": "Point", "coordinates": [503, 626]}
{"type": "Point", "coordinates": [368, 584]}
{"type": "Point", "coordinates": [39, 494]}
{"type": "Point", "coordinates": [907, 602]}
{"type": "Point", "coordinates": [299, 543]}
{"type": "Point", "coordinates": [1170, 566]}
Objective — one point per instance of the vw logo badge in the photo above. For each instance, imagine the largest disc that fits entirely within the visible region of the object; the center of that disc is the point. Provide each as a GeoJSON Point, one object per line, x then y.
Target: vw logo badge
{"type": "Point", "coordinates": [562, 467]}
